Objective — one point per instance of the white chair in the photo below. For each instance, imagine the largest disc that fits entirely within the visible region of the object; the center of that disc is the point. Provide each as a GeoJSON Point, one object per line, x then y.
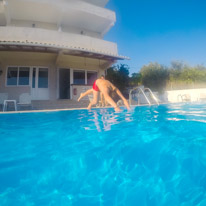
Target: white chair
{"type": "Point", "coordinates": [6, 102]}
{"type": "Point", "coordinates": [25, 100]}
{"type": "Point", "coordinates": [3, 96]}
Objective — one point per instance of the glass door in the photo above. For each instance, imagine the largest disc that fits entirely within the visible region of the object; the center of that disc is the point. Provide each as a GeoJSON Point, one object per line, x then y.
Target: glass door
{"type": "Point", "coordinates": [64, 83]}
{"type": "Point", "coordinates": [40, 89]}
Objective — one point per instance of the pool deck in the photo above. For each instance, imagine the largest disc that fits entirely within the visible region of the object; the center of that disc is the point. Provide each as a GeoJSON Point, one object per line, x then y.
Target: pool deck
{"type": "Point", "coordinates": [48, 105]}
{"type": "Point", "coordinates": [52, 106]}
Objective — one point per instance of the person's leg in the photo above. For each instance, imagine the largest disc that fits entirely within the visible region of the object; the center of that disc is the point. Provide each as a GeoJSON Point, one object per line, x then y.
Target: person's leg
{"type": "Point", "coordinates": [95, 99]}
{"type": "Point", "coordinates": [104, 86]}
{"type": "Point", "coordinates": [107, 98]}
{"type": "Point", "coordinates": [85, 94]}
{"type": "Point", "coordinates": [102, 99]}
{"type": "Point", "coordinates": [123, 98]}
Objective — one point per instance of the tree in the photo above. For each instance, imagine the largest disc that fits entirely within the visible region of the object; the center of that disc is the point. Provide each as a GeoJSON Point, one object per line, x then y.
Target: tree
{"type": "Point", "coordinates": [119, 76]}
{"type": "Point", "coordinates": [177, 65]}
{"type": "Point", "coordinates": [154, 76]}
{"type": "Point", "coordinates": [185, 76]}
{"type": "Point", "coordinates": [135, 79]}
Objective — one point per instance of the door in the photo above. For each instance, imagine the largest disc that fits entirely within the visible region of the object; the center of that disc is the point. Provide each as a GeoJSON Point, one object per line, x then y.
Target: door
{"type": "Point", "coordinates": [64, 83]}
{"type": "Point", "coordinates": [40, 89]}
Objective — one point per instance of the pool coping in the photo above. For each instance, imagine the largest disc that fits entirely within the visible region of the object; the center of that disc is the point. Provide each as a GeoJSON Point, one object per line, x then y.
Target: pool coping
{"type": "Point", "coordinates": [42, 110]}
{"type": "Point", "coordinates": [70, 109]}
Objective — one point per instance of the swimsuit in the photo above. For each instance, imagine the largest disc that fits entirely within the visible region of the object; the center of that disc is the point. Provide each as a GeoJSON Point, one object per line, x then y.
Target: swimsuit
{"type": "Point", "coordinates": [95, 87]}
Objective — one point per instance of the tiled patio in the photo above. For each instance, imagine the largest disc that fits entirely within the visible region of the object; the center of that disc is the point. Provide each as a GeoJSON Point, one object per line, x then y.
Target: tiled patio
{"type": "Point", "coordinates": [50, 104]}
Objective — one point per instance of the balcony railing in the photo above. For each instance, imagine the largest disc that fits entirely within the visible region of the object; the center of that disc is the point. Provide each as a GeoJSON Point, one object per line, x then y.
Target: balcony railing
{"type": "Point", "coordinates": [56, 39]}
{"type": "Point", "coordinates": [79, 14]}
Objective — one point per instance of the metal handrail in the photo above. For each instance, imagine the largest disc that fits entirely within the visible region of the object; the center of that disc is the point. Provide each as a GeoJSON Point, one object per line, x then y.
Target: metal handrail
{"type": "Point", "coordinates": [179, 95]}
{"type": "Point", "coordinates": [143, 92]}
{"type": "Point", "coordinates": [153, 96]}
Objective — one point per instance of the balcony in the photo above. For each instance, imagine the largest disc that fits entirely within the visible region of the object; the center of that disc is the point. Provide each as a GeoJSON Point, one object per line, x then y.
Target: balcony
{"type": "Point", "coordinates": [101, 3]}
{"type": "Point", "coordinates": [74, 13]}
{"type": "Point", "coordinates": [35, 37]}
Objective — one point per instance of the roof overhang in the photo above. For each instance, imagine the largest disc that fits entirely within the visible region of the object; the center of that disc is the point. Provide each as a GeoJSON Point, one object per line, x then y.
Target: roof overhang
{"type": "Point", "coordinates": [47, 48]}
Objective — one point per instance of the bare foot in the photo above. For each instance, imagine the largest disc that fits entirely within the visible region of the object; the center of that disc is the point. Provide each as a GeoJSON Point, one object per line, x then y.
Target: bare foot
{"type": "Point", "coordinates": [80, 97]}
{"type": "Point", "coordinates": [117, 109]}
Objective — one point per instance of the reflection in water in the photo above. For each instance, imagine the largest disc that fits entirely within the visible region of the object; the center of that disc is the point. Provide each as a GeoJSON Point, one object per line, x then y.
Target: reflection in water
{"type": "Point", "coordinates": [103, 120]}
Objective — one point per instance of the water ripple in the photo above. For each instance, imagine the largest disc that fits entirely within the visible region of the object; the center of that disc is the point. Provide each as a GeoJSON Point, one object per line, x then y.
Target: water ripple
{"type": "Point", "coordinates": [149, 156]}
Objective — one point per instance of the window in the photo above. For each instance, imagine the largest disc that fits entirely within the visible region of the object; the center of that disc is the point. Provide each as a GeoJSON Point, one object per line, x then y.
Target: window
{"type": "Point", "coordinates": [24, 76]}
{"type": "Point", "coordinates": [79, 77]}
{"type": "Point", "coordinates": [43, 78]}
{"type": "Point", "coordinates": [18, 76]}
{"type": "Point", "coordinates": [12, 74]}
{"type": "Point", "coordinates": [91, 77]}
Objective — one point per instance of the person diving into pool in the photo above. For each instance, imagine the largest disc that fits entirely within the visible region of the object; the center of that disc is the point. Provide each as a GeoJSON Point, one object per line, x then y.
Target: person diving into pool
{"type": "Point", "coordinates": [90, 91]}
{"type": "Point", "coordinates": [106, 88]}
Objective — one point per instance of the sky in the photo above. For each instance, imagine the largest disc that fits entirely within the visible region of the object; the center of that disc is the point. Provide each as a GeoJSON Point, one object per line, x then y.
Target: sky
{"type": "Point", "coordinates": [159, 31]}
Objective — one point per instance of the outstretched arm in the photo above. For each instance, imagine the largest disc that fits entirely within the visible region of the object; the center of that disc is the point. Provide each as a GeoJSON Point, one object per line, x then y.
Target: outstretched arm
{"type": "Point", "coordinates": [123, 98]}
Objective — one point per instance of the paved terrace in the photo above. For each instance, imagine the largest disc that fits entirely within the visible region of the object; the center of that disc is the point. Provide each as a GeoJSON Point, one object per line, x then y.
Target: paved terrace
{"type": "Point", "coordinates": [50, 105]}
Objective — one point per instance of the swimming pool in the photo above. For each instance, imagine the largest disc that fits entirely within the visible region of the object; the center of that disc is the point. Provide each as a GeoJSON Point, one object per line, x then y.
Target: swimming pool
{"type": "Point", "coordinates": [150, 156]}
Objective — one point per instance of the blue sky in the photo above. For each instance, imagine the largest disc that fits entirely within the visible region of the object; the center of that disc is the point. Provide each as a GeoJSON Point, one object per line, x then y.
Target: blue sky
{"type": "Point", "coordinates": [159, 31]}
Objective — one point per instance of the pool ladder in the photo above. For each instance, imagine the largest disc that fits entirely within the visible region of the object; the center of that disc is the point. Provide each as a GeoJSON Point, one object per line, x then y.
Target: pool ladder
{"type": "Point", "coordinates": [143, 91]}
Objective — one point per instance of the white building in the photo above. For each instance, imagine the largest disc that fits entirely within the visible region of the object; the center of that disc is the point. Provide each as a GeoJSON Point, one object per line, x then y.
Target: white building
{"type": "Point", "coordinates": [50, 49]}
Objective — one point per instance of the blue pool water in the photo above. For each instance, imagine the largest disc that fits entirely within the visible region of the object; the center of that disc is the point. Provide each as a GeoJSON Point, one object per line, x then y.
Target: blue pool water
{"type": "Point", "coordinates": [150, 156]}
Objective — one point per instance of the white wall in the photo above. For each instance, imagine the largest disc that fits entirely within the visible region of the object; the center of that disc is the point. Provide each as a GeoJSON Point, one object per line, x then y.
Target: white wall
{"type": "Point", "coordinates": [45, 60]}
{"type": "Point", "coordinates": [175, 95]}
